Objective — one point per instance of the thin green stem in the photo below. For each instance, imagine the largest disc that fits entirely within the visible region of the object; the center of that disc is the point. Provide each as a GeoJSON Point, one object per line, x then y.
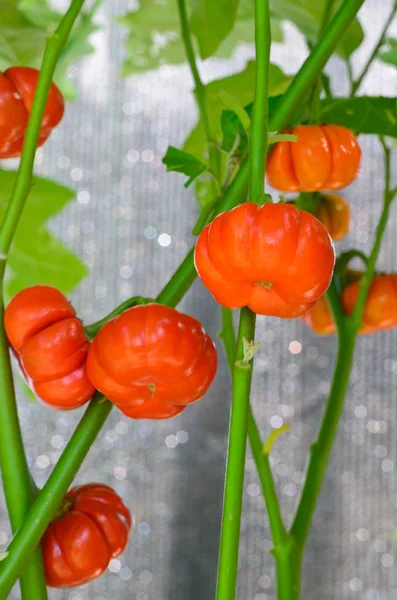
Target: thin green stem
{"type": "Point", "coordinates": [262, 463]}
{"type": "Point", "coordinates": [315, 99]}
{"type": "Point", "coordinates": [18, 487]}
{"type": "Point", "coordinates": [200, 91]}
{"type": "Point", "coordinates": [52, 493]}
{"type": "Point", "coordinates": [321, 449]}
{"type": "Point", "coordinates": [233, 500]}
{"type": "Point", "coordinates": [29, 534]}
{"type": "Point", "coordinates": [228, 336]}
{"type": "Point", "coordinates": [279, 534]}
{"type": "Point", "coordinates": [347, 328]}
{"type": "Point", "coordinates": [23, 182]}
{"type": "Point", "coordinates": [356, 84]}
{"type": "Point", "coordinates": [259, 120]}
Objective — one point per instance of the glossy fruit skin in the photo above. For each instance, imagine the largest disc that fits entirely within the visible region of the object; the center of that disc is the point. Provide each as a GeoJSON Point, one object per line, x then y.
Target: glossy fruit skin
{"type": "Point", "coordinates": [326, 157]}
{"type": "Point", "coordinates": [78, 546]}
{"type": "Point", "coordinates": [380, 310]}
{"type": "Point", "coordinates": [334, 213]}
{"type": "Point", "coordinates": [320, 319]}
{"type": "Point", "coordinates": [51, 346]}
{"type": "Point", "coordinates": [152, 361]}
{"type": "Point", "coordinates": [276, 259]}
{"type": "Point", "coordinates": [17, 88]}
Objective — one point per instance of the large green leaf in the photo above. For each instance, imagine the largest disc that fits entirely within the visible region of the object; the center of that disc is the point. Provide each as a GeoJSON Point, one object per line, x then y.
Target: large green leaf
{"type": "Point", "coordinates": [36, 255]}
{"type": "Point", "coordinates": [366, 114]}
{"type": "Point", "coordinates": [24, 26]}
{"type": "Point", "coordinates": [307, 16]}
{"type": "Point", "coordinates": [154, 35]}
{"type": "Point", "coordinates": [241, 87]}
{"type": "Point", "coordinates": [211, 22]}
{"type": "Point", "coordinates": [389, 52]}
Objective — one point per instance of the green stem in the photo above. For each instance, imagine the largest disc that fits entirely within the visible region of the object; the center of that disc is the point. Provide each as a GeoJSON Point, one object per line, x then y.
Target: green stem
{"type": "Point", "coordinates": [356, 84]}
{"type": "Point", "coordinates": [52, 494]}
{"type": "Point", "coordinates": [23, 182]}
{"type": "Point", "coordinates": [315, 99]}
{"type": "Point", "coordinates": [259, 120]}
{"type": "Point", "coordinates": [279, 534]}
{"type": "Point", "coordinates": [228, 336]}
{"type": "Point", "coordinates": [232, 505]}
{"type": "Point", "coordinates": [200, 91]}
{"type": "Point", "coordinates": [184, 276]}
{"type": "Point", "coordinates": [288, 568]}
{"type": "Point", "coordinates": [18, 487]}
{"type": "Point", "coordinates": [321, 449]}
{"type": "Point", "coordinates": [347, 328]}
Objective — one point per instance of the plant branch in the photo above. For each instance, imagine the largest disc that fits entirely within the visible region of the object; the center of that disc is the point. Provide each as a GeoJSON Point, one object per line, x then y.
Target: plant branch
{"type": "Point", "coordinates": [233, 500]}
{"type": "Point", "coordinates": [315, 99]}
{"type": "Point", "coordinates": [356, 84]}
{"type": "Point", "coordinates": [259, 121]}
{"type": "Point", "coordinates": [52, 494]}
{"type": "Point", "coordinates": [29, 534]}
{"type": "Point", "coordinates": [347, 328]}
{"type": "Point", "coordinates": [18, 487]}
{"type": "Point", "coordinates": [200, 91]}
{"type": "Point", "coordinates": [261, 459]}
{"type": "Point", "coordinates": [17, 483]}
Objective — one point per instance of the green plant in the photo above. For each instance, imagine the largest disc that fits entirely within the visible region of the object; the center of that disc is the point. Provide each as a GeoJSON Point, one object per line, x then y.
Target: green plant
{"type": "Point", "coordinates": [225, 155]}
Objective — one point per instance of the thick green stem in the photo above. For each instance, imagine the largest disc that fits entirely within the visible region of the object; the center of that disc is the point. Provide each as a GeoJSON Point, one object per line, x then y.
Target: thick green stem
{"type": "Point", "coordinates": [200, 91]}
{"type": "Point", "coordinates": [232, 505]}
{"type": "Point", "coordinates": [356, 84]}
{"type": "Point", "coordinates": [18, 488]}
{"type": "Point", "coordinates": [15, 473]}
{"type": "Point", "coordinates": [178, 285]}
{"type": "Point", "coordinates": [259, 121]}
{"type": "Point", "coordinates": [288, 568]}
{"type": "Point", "coordinates": [279, 535]}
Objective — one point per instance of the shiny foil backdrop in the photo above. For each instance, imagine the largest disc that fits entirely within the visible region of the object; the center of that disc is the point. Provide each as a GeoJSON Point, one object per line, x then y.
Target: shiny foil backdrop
{"type": "Point", "coordinates": [131, 225]}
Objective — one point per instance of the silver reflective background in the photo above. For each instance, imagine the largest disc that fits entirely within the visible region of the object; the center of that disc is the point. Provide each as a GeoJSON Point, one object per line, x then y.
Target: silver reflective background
{"type": "Point", "coordinates": [131, 224]}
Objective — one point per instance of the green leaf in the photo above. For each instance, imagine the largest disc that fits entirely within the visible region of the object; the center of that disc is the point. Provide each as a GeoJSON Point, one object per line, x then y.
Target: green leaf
{"type": "Point", "coordinates": [237, 109]}
{"type": "Point", "coordinates": [231, 124]}
{"type": "Point", "coordinates": [307, 16]}
{"type": "Point", "coordinates": [36, 255]}
{"type": "Point", "coordinates": [241, 87]}
{"type": "Point", "coordinates": [24, 26]}
{"type": "Point", "coordinates": [389, 52]}
{"type": "Point", "coordinates": [154, 39]}
{"type": "Point", "coordinates": [211, 22]}
{"type": "Point", "coordinates": [366, 114]}
{"type": "Point", "coordinates": [182, 162]}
